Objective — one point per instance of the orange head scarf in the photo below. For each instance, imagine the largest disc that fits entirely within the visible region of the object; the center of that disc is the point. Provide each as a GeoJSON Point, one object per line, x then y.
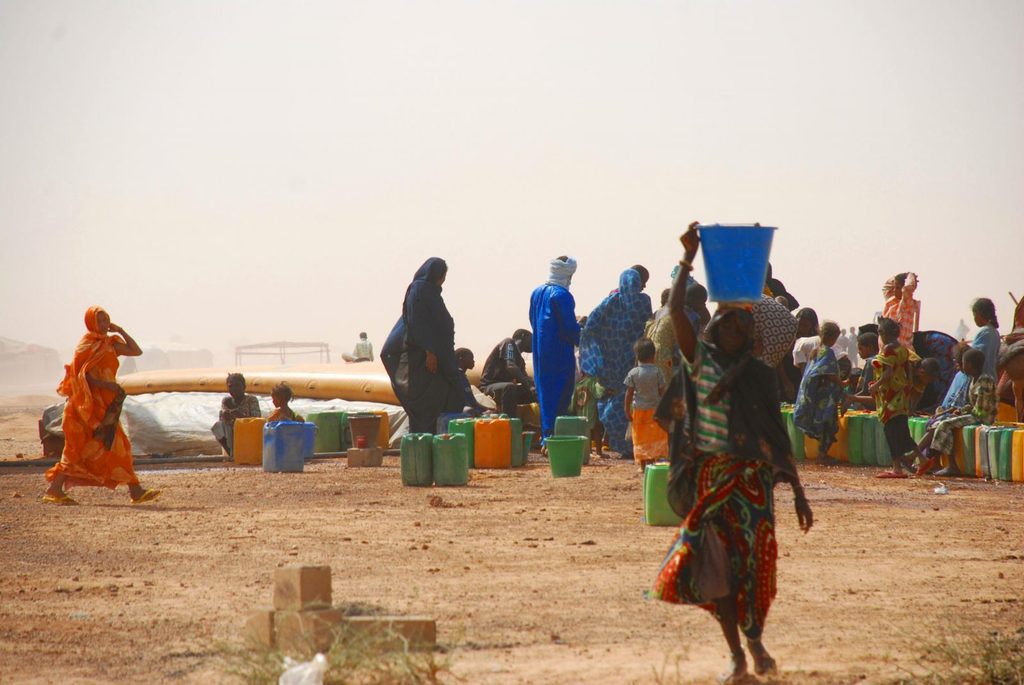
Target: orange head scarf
{"type": "Point", "coordinates": [91, 316]}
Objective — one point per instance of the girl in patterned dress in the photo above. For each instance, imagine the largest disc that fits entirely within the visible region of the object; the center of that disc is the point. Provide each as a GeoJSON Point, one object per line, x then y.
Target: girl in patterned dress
{"type": "Point", "coordinates": [727, 457]}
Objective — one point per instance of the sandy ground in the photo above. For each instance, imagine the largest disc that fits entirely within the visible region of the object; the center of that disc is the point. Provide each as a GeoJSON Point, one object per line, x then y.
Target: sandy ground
{"type": "Point", "coordinates": [531, 579]}
{"type": "Point", "coordinates": [19, 425]}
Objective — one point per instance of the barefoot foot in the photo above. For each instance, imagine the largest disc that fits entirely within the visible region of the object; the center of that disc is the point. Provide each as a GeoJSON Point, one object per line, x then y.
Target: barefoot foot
{"type": "Point", "coordinates": [737, 672]}
{"type": "Point", "coordinates": [763, 661]}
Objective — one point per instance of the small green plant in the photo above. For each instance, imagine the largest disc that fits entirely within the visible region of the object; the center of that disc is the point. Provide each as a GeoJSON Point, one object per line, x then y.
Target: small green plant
{"type": "Point", "coordinates": [993, 659]}
{"type": "Point", "coordinates": [355, 658]}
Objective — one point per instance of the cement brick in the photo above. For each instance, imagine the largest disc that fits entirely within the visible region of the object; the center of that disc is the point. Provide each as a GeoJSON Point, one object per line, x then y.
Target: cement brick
{"type": "Point", "coordinates": [305, 632]}
{"type": "Point", "coordinates": [259, 628]}
{"type": "Point", "coordinates": [302, 587]}
{"type": "Point", "coordinates": [419, 632]}
{"type": "Point", "coordinates": [366, 456]}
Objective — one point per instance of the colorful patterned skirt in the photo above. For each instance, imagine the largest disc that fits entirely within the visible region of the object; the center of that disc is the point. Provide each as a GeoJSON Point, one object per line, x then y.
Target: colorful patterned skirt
{"type": "Point", "coordinates": [734, 501]}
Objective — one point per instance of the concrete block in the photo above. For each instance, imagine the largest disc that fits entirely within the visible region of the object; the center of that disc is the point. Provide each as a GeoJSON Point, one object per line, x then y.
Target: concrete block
{"type": "Point", "coordinates": [419, 632]}
{"type": "Point", "coordinates": [302, 587]}
{"type": "Point", "coordinates": [306, 632]}
{"type": "Point", "coordinates": [259, 628]}
{"type": "Point", "coordinates": [365, 456]}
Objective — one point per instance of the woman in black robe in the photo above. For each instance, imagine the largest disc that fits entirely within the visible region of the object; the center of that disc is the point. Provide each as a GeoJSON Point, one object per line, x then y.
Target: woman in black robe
{"type": "Point", "coordinates": [419, 354]}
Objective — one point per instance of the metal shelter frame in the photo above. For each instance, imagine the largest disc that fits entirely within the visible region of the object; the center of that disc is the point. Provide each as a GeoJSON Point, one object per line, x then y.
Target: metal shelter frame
{"type": "Point", "coordinates": [282, 349]}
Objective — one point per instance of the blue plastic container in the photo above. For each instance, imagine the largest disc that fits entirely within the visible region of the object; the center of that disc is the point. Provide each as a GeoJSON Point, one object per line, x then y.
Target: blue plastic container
{"type": "Point", "coordinates": [287, 445]}
{"type": "Point", "coordinates": [736, 260]}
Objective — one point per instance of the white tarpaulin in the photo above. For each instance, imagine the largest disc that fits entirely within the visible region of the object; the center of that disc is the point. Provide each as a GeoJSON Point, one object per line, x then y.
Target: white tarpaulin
{"type": "Point", "coordinates": [179, 423]}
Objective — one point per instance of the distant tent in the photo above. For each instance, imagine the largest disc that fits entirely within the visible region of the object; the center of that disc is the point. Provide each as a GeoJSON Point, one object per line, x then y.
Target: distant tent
{"type": "Point", "coordinates": [26, 364]}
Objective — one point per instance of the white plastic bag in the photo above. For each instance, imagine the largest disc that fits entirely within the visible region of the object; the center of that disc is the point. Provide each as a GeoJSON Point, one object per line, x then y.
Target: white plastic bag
{"type": "Point", "coordinates": [305, 672]}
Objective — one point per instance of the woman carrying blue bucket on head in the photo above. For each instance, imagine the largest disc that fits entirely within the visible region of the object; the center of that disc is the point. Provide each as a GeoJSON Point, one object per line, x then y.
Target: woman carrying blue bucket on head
{"type": "Point", "coordinates": [727, 458]}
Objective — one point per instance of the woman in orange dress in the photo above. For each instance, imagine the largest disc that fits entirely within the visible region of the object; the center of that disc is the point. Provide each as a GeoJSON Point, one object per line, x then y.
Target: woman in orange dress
{"type": "Point", "coordinates": [96, 449]}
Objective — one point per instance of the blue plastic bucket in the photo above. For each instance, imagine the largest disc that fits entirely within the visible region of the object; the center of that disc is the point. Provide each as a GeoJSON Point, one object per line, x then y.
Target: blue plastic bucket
{"type": "Point", "coordinates": [736, 260]}
{"type": "Point", "coordinates": [287, 445]}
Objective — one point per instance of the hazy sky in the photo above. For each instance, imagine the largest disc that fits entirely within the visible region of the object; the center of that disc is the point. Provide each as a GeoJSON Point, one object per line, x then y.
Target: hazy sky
{"type": "Point", "coordinates": [229, 172]}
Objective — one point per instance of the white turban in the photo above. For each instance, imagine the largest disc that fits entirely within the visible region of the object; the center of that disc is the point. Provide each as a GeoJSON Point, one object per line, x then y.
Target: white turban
{"type": "Point", "coordinates": [561, 272]}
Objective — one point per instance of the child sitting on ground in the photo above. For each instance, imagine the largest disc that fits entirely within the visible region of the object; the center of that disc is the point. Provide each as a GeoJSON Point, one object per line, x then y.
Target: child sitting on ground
{"type": "Point", "coordinates": [584, 403]}
{"type": "Point", "coordinates": [980, 409]}
{"type": "Point", "coordinates": [237, 405]}
{"type": "Point", "coordinates": [645, 384]}
{"type": "Point", "coordinates": [281, 395]}
{"type": "Point", "coordinates": [894, 371]}
{"type": "Point", "coordinates": [816, 412]}
{"type": "Point", "coordinates": [466, 362]}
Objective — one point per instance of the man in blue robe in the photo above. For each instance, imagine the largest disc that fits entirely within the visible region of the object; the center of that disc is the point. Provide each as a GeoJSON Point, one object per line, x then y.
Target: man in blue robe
{"type": "Point", "coordinates": [556, 334]}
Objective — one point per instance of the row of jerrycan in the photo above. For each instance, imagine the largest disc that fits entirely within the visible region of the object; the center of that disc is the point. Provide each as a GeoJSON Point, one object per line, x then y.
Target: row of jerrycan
{"type": "Point", "coordinates": [493, 442]}
{"type": "Point", "coordinates": [995, 452]}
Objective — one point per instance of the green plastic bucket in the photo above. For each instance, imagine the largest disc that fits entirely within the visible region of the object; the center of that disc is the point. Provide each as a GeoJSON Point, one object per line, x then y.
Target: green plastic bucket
{"type": "Point", "coordinates": [565, 453]}
{"type": "Point", "coordinates": [451, 459]}
{"type": "Point", "coordinates": [518, 455]}
{"type": "Point", "coordinates": [417, 461]}
{"type": "Point", "coordinates": [328, 430]}
{"type": "Point", "coordinates": [464, 427]}
{"type": "Point", "coordinates": [657, 511]}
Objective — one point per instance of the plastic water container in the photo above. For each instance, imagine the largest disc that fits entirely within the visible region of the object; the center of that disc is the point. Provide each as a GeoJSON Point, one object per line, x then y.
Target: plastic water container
{"type": "Point", "coordinates": [492, 440]}
{"type": "Point", "coordinates": [657, 511]}
{"type": "Point", "coordinates": [247, 445]}
{"type": "Point", "coordinates": [574, 425]}
{"type": "Point", "coordinates": [811, 446]}
{"type": "Point", "coordinates": [465, 428]}
{"type": "Point", "coordinates": [855, 437]}
{"type": "Point", "coordinates": [417, 459]}
{"type": "Point", "coordinates": [528, 438]}
{"type": "Point", "coordinates": [571, 425]}
{"type": "Point", "coordinates": [328, 430]}
{"type": "Point", "coordinates": [518, 455]}
{"type": "Point", "coordinates": [365, 427]}
{"type": "Point", "coordinates": [882, 455]}
{"type": "Point", "coordinates": [1005, 456]}
{"type": "Point", "coordinates": [796, 438]}
{"type": "Point", "coordinates": [1017, 469]}
{"type": "Point", "coordinates": [842, 444]}
{"type": "Point", "coordinates": [958, 451]}
{"type": "Point", "coordinates": [918, 426]}
{"type": "Point", "coordinates": [451, 459]}
{"type": "Point", "coordinates": [980, 453]}
{"type": "Point", "coordinates": [287, 445]}
{"type": "Point", "coordinates": [565, 454]}
{"type": "Point", "coordinates": [736, 260]}
{"type": "Point", "coordinates": [970, 450]}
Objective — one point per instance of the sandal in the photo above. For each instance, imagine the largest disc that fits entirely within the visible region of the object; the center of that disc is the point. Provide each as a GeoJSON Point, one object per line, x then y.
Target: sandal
{"type": "Point", "coordinates": [147, 496]}
{"type": "Point", "coordinates": [926, 466]}
{"type": "Point", "coordinates": [892, 474]}
{"type": "Point", "coordinates": [61, 499]}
